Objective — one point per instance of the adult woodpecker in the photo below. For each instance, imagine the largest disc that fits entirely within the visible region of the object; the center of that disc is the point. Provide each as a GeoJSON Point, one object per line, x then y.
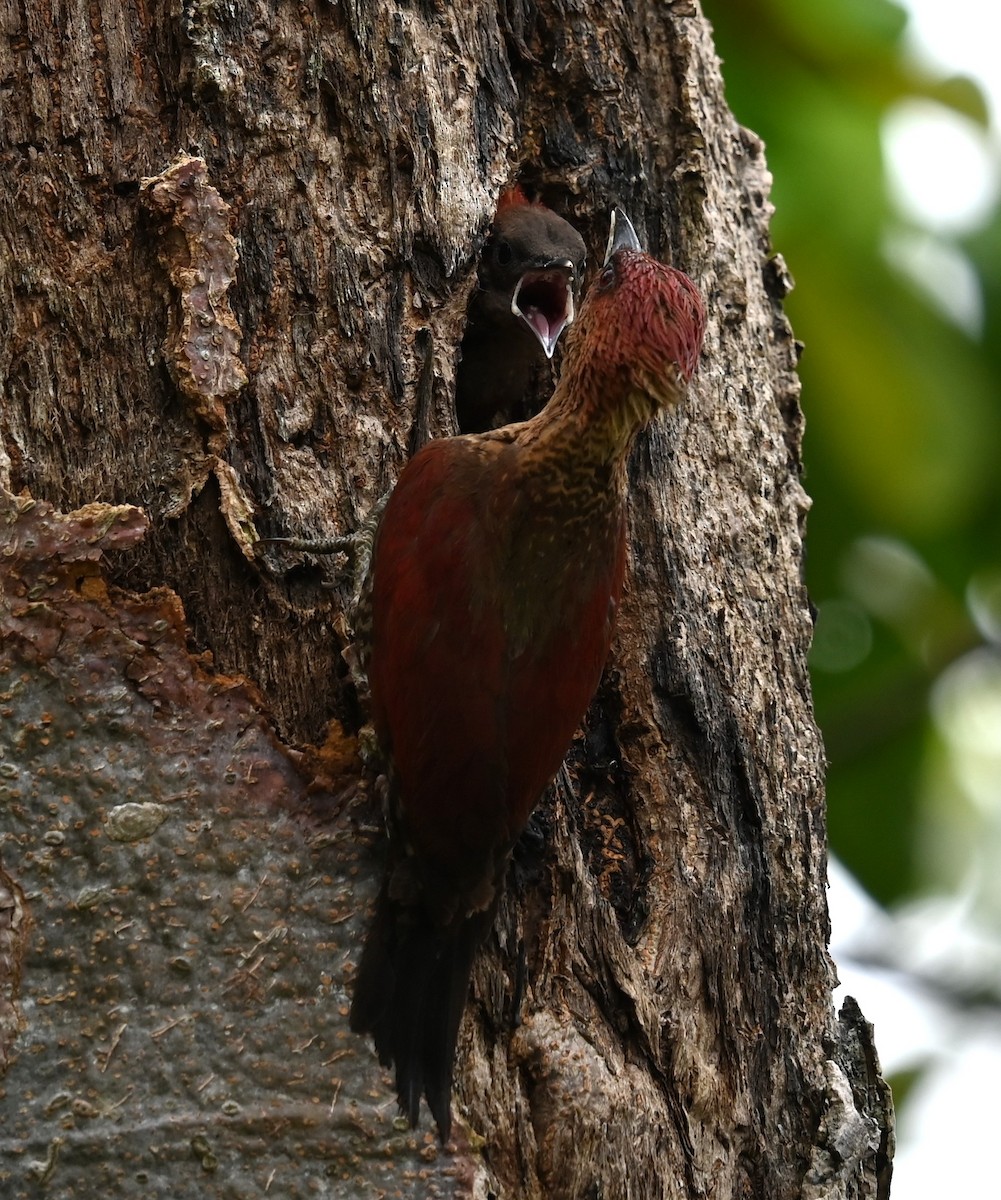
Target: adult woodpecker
{"type": "Point", "coordinates": [497, 572]}
{"type": "Point", "coordinates": [529, 274]}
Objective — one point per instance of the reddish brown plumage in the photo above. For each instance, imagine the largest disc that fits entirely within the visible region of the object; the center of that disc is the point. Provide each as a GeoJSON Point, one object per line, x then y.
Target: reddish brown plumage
{"type": "Point", "coordinates": [477, 684]}
{"type": "Point", "coordinates": [497, 573]}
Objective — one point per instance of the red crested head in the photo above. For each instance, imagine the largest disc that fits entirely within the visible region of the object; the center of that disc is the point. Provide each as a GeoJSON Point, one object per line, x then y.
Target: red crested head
{"type": "Point", "coordinates": [641, 324]}
{"type": "Point", "coordinates": [513, 197]}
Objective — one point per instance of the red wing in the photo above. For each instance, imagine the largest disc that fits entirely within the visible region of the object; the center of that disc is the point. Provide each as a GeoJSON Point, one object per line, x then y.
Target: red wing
{"type": "Point", "coordinates": [437, 672]}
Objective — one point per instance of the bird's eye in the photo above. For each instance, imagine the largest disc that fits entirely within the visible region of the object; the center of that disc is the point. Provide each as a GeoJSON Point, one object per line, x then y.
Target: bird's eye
{"type": "Point", "coordinates": [606, 278]}
{"type": "Point", "coordinates": [503, 254]}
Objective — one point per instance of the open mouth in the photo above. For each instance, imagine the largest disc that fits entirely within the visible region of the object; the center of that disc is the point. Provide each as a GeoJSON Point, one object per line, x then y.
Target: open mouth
{"type": "Point", "coordinates": [544, 300]}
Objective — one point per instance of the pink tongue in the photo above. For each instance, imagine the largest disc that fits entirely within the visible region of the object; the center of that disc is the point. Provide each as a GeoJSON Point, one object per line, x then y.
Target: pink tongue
{"type": "Point", "coordinates": [538, 320]}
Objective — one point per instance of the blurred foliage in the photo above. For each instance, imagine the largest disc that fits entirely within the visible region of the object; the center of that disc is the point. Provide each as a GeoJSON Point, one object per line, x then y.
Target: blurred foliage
{"type": "Point", "coordinates": [903, 434]}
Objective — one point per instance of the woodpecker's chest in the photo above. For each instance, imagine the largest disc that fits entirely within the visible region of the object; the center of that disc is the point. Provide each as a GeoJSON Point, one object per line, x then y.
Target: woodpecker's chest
{"type": "Point", "coordinates": [562, 533]}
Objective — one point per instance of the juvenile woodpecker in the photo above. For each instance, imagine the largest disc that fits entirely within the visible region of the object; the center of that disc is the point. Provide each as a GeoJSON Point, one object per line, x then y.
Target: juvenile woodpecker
{"type": "Point", "coordinates": [529, 276]}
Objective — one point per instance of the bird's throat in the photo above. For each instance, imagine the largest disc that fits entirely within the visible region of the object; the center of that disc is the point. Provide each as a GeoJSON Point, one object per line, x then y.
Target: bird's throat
{"type": "Point", "coordinates": [597, 424]}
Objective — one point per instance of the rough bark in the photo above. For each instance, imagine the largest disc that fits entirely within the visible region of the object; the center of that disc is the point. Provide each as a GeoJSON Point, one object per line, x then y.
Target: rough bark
{"type": "Point", "coordinates": [236, 248]}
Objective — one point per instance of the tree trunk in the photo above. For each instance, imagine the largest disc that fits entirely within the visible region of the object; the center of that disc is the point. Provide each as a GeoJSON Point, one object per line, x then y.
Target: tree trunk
{"type": "Point", "coordinates": [238, 243]}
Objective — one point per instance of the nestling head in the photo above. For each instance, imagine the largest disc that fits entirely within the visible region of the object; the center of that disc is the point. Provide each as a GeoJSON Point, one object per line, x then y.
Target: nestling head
{"type": "Point", "coordinates": [531, 268]}
{"type": "Point", "coordinates": [641, 324]}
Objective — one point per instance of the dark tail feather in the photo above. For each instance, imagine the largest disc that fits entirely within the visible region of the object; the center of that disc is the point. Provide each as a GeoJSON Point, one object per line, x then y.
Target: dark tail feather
{"type": "Point", "coordinates": [410, 994]}
{"type": "Point", "coordinates": [445, 1002]}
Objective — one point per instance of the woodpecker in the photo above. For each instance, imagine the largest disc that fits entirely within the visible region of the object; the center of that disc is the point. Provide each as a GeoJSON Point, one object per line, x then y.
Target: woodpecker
{"type": "Point", "coordinates": [529, 275]}
{"type": "Point", "coordinates": [497, 572]}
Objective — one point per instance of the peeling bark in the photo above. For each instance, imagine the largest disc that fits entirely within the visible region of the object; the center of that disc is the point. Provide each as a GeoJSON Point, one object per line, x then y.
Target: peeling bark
{"type": "Point", "coordinates": [188, 810]}
{"type": "Point", "coordinates": [198, 253]}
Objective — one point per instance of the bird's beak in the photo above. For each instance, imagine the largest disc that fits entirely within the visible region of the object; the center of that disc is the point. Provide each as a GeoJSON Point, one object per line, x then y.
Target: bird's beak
{"type": "Point", "coordinates": [543, 298]}
{"type": "Point", "coordinates": [621, 235]}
